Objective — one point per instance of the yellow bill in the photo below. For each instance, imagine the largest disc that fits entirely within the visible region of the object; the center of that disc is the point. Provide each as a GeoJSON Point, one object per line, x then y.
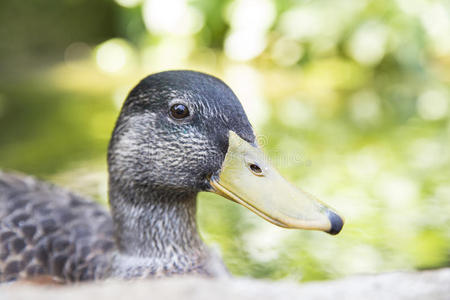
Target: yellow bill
{"type": "Point", "coordinates": [247, 178]}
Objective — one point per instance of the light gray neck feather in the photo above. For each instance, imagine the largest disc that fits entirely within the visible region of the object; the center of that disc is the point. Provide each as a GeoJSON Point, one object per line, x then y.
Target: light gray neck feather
{"type": "Point", "coordinates": [155, 223]}
{"type": "Point", "coordinates": [156, 233]}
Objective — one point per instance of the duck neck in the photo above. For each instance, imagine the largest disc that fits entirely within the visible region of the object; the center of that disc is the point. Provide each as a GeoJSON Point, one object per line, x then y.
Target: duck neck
{"type": "Point", "coordinates": [156, 224]}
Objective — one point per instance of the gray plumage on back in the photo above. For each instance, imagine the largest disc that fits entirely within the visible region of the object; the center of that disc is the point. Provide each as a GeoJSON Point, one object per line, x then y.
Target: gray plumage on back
{"type": "Point", "coordinates": [46, 230]}
{"type": "Point", "coordinates": [157, 165]}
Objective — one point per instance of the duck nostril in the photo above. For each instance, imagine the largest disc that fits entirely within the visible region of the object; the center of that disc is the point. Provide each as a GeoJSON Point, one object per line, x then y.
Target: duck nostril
{"type": "Point", "coordinates": [256, 169]}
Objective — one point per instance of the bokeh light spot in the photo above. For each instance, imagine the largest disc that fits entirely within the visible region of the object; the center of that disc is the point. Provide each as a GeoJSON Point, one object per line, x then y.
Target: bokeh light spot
{"type": "Point", "coordinates": [368, 44]}
{"type": "Point", "coordinates": [286, 52]}
{"type": "Point", "coordinates": [175, 17]}
{"type": "Point", "coordinates": [128, 3]}
{"type": "Point", "coordinates": [300, 23]}
{"type": "Point", "coordinates": [433, 104]}
{"type": "Point", "coordinates": [436, 21]}
{"type": "Point", "coordinates": [112, 55]}
{"type": "Point", "coordinates": [249, 21]}
{"type": "Point", "coordinates": [398, 191]}
{"type": "Point", "coordinates": [365, 107]}
{"type": "Point", "coordinates": [244, 45]}
{"type": "Point", "coordinates": [254, 15]}
{"type": "Point", "coordinates": [427, 154]}
{"type": "Point", "coordinates": [296, 113]}
{"type": "Point", "coordinates": [247, 84]}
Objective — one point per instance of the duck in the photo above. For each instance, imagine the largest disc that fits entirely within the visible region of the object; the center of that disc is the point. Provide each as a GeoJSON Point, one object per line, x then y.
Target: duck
{"type": "Point", "coordinates": [178, 133]}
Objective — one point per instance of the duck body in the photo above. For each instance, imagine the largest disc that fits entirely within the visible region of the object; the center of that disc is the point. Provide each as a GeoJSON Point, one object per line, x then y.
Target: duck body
{"type": "Point", "coordinates": [178, 133]}
{"type": "Point", "coordinates": [46, 230]}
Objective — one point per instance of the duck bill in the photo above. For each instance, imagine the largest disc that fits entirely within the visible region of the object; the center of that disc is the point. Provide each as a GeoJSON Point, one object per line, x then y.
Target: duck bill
{"type": "Point", "coordinates": [247, 178]}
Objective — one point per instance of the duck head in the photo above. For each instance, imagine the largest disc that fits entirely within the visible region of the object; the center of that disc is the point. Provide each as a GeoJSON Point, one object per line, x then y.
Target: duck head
{"type": "Point", "coordinates": [186, 132]}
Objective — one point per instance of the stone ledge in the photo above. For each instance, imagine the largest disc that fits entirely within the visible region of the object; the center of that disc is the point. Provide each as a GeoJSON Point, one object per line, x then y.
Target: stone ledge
{"type": "Point", "coordinates": [433, 284]}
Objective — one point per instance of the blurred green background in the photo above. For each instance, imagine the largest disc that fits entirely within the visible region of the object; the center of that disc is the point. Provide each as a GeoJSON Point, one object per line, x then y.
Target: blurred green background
{"type": "Point", "coordinates": [350, 98]}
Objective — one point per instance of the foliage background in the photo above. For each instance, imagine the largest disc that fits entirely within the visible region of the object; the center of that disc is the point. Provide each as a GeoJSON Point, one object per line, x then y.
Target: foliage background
{"type": "Point", "coordinates": [350, 99]}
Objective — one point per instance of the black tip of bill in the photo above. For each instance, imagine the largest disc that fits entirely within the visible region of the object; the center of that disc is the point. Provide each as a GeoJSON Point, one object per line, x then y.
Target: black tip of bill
{"type": "Point", "coordinates": [336, 223]}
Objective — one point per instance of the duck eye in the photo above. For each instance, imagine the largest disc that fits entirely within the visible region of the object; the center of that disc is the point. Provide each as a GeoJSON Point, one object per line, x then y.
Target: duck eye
{"type": "Point", "coordinates": [179, 111]}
